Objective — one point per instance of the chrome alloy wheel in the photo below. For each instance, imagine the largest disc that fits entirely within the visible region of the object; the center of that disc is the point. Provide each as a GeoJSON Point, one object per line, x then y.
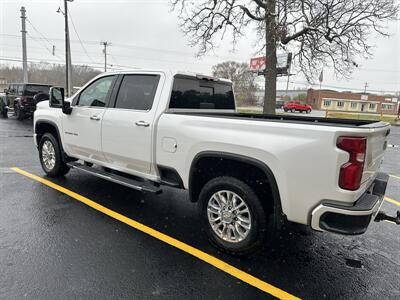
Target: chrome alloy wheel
{"type": "Point", "coordinates": [48, 155]}
{"type": "Point", "coordinates": [229, 216]}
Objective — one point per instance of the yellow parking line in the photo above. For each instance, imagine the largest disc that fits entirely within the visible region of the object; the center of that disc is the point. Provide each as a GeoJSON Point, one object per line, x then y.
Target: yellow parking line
{"type": "Point", "coordinates": [392, 201]}
{"type": "Point", "coordinates": [394, 176]}
{"type": "Point", "coordinates": [217, 263]}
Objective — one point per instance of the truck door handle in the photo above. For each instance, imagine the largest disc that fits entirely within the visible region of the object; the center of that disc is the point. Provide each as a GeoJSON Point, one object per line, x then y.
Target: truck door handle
{"type": "Point", "coordinates": [96, 118]}
{"type": "Point", "coordinates": [142, 123]}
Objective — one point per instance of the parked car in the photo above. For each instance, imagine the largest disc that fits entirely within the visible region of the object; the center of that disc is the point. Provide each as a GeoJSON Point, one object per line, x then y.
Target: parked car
{"type": "Point", "coordinates": [23, 97]}
{"type": "Point", "coordinates": [148, 129]}
{"type": "Point", "coordinates": [294, 106]}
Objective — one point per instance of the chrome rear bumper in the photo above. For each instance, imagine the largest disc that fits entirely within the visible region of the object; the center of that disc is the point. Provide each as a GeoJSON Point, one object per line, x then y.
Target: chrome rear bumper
{"type": "Point", "coordinates": [351, 220]}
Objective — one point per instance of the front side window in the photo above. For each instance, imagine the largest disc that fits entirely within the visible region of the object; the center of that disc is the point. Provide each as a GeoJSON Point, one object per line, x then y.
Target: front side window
{"type": "Point", "coordinates": [96, 93]}
{"type": "Point", "coordinates": [137, 92]}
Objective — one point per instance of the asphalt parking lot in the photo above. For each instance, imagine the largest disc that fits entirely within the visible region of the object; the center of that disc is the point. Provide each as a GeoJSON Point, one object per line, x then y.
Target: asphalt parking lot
{"type": "Point", "coordinates": [55, 247]}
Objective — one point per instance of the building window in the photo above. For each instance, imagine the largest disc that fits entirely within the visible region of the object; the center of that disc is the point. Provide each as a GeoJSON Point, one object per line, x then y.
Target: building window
{"type": "Point", "coordinates": [387, 106]}
{"type": "Point", "coordinates": [327, 103]}
{"type": "Point", "coordinates": [372, 106]}
{"type": "Point", "coordinates": [340, 103]}
{"type": "Point", "coordinates": [354, 105]}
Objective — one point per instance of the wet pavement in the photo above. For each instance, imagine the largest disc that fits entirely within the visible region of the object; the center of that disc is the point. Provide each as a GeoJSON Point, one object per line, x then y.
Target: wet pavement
{"type": "Point", "coordinates": [54, 247]}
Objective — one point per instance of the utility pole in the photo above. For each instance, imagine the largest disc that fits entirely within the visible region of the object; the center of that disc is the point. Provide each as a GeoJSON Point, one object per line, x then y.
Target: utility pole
{"type": "Point", "coordinates": [365, 87]}
{"type": "Point", "coordinates": [105, 44]}
{"type": "Point", "coordinates": [24, 58]}
{"type": "Point", "coordinates": [68, 67]}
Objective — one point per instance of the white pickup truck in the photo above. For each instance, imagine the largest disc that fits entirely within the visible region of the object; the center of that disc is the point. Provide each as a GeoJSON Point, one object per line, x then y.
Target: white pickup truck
{"type": "Point", "coordinates": [147, 129]}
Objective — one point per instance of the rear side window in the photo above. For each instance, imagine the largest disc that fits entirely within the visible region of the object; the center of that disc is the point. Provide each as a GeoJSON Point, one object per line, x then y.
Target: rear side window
{"type": "Point", "coordinates": [32, 90]}
{"type": "Point", "coordinates": [193, 93]}
{"type": "Point", "coordinates": [137, 92]}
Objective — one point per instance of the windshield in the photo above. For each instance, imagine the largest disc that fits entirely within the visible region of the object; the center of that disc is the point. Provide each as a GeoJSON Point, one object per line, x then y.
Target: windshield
{"type": "Point", "coordinates": [32, 90]}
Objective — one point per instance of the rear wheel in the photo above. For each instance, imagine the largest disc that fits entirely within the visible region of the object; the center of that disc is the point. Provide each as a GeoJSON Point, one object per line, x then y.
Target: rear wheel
{"type": "Point", "coordinates": [233, 216]}
{"type": "Point", "coordinates": [50, 156]}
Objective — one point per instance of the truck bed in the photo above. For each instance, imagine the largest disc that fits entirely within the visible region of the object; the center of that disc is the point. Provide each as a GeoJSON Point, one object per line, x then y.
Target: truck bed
{"type": "Point", "coordinates": [289, 119]}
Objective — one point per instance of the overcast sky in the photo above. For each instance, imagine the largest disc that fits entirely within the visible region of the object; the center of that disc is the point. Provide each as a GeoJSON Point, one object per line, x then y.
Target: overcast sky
{"type": "Point", "coordinates": [146, 34]}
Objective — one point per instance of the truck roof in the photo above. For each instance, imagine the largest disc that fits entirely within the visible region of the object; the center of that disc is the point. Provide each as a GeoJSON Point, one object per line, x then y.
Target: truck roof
{"type": "Point", "coordinates": [30, 83]}
{"type": "Point", "coordinates": [173, 72]}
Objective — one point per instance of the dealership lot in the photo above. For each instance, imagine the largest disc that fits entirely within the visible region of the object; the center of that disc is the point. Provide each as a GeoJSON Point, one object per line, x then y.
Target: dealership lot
{"type": "Point", "coordinates": [52, 246]}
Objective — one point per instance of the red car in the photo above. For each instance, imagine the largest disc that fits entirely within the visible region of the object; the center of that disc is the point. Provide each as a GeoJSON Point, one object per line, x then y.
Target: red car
{"type": "Point", "coordinates": [294, 106]}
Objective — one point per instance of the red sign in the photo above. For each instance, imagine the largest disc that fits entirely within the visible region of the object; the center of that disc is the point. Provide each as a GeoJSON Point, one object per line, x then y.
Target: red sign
{"type": "Point", "coordinates": [257, 63]}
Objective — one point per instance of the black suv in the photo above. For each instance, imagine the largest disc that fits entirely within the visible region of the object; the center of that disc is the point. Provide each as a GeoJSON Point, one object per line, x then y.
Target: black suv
{"type": "Point", "coordinates": [23, 97]}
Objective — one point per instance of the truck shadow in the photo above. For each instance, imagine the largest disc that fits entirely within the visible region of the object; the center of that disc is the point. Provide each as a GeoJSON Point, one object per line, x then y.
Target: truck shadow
{"type": "Point", "coordinates": [299, 259]}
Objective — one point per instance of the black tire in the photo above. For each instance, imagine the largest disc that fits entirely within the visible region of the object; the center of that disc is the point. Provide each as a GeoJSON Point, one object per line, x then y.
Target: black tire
{"type": "Point", "coordinates": [285, 110]}
{"type": "Point", "coordinates": [60, 168]}
{"type": "Point", "coordinates": [308, 111]}
{"type": "Point", "coordinates": [259, 221]}
{"type": "Point", "coordinates": [19, 113]}
{"type": "Point", "coordinates": [293, 110]}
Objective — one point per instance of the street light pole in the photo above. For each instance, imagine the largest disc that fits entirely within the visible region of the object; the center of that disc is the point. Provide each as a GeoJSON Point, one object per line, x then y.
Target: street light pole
{"type": "Point", "coordinates": [105, 44]}
{"type": "Point", "coordinates": [68, 67]}
{"type": "Point", "coordinates": [24, 57]}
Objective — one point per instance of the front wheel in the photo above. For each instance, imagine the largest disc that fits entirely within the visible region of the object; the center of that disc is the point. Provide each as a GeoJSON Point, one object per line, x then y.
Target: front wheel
{"type": "Point", "coordinates": [50, 156]}
{"type": "Point", "coordinates": [308, 111]}
{"type": "Point", "coordinates": [293, 110]}
{"type": "Point", "coordinates": [233, 215]}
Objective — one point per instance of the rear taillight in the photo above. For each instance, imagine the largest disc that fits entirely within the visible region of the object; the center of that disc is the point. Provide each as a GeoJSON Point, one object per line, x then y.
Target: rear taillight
{"type": "Point", "coordinates": [351, 171]}
{"type": "Point", "coordinates": [24, 99]}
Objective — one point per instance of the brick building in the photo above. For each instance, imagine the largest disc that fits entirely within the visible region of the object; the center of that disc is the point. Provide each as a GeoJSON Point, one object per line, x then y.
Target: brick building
{"type": "Point", "coordinates": [352, 102]}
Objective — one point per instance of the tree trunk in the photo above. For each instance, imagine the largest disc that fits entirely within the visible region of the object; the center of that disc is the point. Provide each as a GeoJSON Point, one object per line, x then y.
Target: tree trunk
{"type": "Point", "coordinates": [270, 54]}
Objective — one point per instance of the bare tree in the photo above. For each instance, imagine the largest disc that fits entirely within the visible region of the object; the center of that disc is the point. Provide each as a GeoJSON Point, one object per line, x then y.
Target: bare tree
{"type": "Point", "coordinates": [318, 32]}
{"type": "Point", "coordinates": [243, 80]}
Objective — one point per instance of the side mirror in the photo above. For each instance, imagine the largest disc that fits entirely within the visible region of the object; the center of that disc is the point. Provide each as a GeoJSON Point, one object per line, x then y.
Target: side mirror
{"type": "Point", "coordinates": [66, 107]}
{"type": "Point", "coordinates": [57, 100]}
{"type": "Point", "coordinates": [56, 97]}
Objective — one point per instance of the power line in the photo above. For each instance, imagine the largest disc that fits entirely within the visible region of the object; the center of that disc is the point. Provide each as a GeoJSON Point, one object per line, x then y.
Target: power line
{"type": "Point", "coordinates": [39, 43]}
{"type": "Point", "coordinates": [41, 34]}
{"type": "Point", "coordinates": [119, 45]}
{"type": "Point", "coordinates": [80, 41]}
{"type": "Point", "coordinates": [43, 37]}
{"type": "Point", "coordinates": [79, 63]}
{"type": "Point", "coordinates": [341, 87]}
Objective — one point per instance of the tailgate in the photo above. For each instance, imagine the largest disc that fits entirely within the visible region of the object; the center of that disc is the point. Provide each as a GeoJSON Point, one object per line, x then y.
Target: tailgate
{"type": "Point", "coordinates": [376, 146]}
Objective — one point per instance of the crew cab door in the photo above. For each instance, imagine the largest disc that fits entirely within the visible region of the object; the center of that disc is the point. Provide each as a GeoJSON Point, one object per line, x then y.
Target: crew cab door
{"type": "Point", "coordinates": [128, 123]}
{"type": "Point", "coordinates": [82, 128]}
